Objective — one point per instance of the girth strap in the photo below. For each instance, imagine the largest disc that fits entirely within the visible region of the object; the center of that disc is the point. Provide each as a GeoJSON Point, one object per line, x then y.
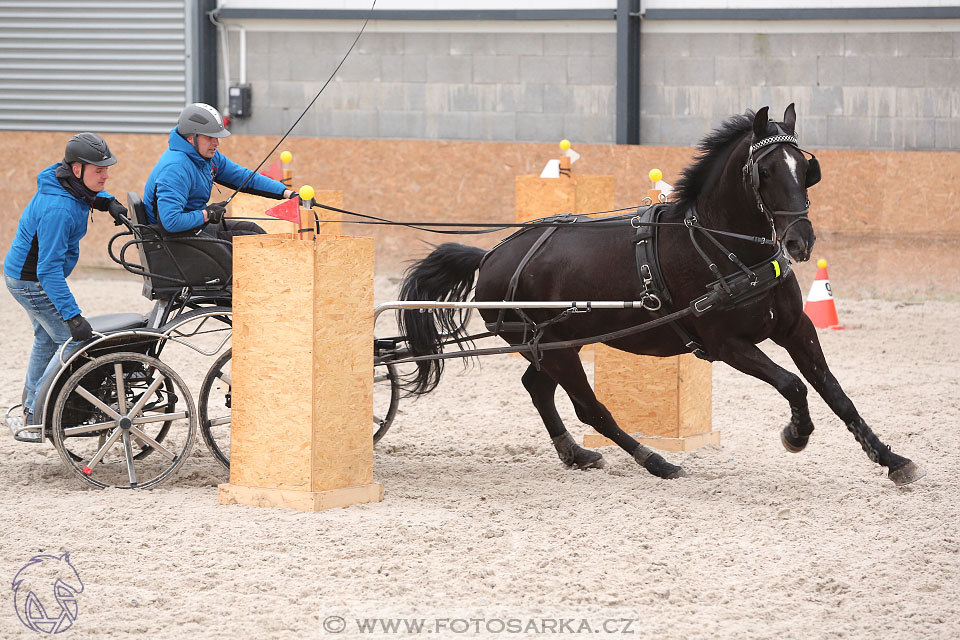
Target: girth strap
{"type": "Point", "coordinates": [650, 274]}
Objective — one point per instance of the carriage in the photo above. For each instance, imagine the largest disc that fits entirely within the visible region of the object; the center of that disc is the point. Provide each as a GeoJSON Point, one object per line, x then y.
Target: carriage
{"type": "Point", "coordinates": [117, 413]}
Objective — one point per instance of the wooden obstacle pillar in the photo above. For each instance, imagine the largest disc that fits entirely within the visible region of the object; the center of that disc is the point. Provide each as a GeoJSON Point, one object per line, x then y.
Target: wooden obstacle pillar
{"type": "Point", "coordinates": [665, 403]}
{"type": "Point", "coordinates": [302, 387]}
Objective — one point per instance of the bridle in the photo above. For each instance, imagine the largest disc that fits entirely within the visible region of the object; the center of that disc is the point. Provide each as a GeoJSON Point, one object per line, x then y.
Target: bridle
{"type": "Point", "coordinates": [751, 175]}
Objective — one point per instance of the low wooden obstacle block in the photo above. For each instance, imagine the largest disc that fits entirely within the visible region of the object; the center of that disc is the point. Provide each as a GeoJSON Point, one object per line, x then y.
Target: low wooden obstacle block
{"type": "Point", "coordinates": [302, 387]}
{"type": "Point", "coordinates": [665, 402]}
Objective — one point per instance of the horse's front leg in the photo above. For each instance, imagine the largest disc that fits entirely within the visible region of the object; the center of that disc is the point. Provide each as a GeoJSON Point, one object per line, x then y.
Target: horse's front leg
{"type": "Point", "coordinates": [803, 345]}
{"type": "Point", "coordinates": [542, 389]}
{"type": "Point", "coordinates": [747, 358]}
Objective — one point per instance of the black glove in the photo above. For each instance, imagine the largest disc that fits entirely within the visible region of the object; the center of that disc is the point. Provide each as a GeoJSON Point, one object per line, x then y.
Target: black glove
{"type": "Point", "coordinates": [118, 211]}
{"type": "Point", "coordinates": [80, 329]}
{"type": "Point", "coordinates": [216, 211]}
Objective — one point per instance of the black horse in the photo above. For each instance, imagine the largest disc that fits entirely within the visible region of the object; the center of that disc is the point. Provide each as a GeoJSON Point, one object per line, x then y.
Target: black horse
{"type": "Point", "coordinates": [720, 247]}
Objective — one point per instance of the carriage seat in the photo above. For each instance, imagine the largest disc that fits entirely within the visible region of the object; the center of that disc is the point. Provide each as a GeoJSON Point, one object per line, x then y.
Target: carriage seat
{"type": "Point", "coordinates": [117, 322]}
{"type": "Point", "coordinates": [178, 260]}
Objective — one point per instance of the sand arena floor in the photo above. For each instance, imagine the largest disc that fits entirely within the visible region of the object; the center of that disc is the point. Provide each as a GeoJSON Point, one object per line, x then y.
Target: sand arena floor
{"type": "Point", "coordinates": [482, 529]}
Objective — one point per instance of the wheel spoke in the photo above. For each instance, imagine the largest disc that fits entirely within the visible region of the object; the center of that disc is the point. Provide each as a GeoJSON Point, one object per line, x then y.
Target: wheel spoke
{"type": "Point", "coordinates": [225, 377]}
{"type": "Point", "coordinates": [143, 437]}
{"type": "Point", "coordinates": [97, 402]}
{"type": "Point", "coordinates": [121, 392]}
{"type": "Point", "coordinates": [87, 428]}
{"type": "Point", "coordinates": [215, 422]}
{"type": "Point", "coordinates": [160, 417]}
{"type": "Point", "coordinates": [103, 451]}
{"type": "Point", "coordinates": [146, 394]}
{"type": "Point", "coordinates": [128, 453]}
{"type": "Point", "coordinates": [382, 378]}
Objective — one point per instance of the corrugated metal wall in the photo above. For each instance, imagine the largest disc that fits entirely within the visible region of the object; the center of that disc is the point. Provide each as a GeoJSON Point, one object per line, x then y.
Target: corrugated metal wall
{"type": "Point", "coordinates": [101, 65]}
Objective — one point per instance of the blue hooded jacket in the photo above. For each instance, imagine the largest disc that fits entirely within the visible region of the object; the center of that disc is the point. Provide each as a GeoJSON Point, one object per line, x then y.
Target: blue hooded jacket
{"type": "Point", "coordinates": [180, 183]}
{"type": "Point", "coordinates": [47, 243]}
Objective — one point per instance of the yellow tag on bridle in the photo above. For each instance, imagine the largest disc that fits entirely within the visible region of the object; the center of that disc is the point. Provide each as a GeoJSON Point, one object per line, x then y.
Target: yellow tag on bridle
{"type": "Point", "coordinates": [776, 268]}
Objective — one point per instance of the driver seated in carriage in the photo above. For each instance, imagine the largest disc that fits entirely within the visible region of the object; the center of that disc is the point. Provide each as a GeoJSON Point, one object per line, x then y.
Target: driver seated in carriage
{"type": "Point", "coordinates": [177, 190]}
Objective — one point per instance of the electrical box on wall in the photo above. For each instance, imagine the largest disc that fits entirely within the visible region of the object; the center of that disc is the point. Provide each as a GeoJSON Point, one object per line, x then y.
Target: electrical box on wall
{"type": "Point", "coordinates": [240, 101]}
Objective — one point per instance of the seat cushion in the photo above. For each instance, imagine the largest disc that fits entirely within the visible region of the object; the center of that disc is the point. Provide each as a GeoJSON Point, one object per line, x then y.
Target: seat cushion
{"type": "Point", "coordinates": [117, 322]}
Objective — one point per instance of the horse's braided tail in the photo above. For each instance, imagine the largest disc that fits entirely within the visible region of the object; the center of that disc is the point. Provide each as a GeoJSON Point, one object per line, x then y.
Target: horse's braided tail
{"type": "Point", "coordinates": [446, 275]}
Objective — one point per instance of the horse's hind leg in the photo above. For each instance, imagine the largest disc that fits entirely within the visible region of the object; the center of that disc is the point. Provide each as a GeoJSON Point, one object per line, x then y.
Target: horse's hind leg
{"type": "Point", "coordinates": [564, 367]}
{"type": "Point", "coordinates": [542, 388]}
{"type": "Point", "coordinates": [803, 345]}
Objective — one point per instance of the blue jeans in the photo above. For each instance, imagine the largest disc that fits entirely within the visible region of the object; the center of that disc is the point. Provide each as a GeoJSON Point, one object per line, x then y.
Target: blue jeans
{"type": "Point", "coordinates": [49, 332]}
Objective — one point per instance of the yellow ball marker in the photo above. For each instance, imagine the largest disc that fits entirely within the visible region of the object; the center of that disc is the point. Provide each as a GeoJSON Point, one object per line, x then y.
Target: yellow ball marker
{"type": "Point", "coordinates": [564, 144]}
{"type": "Point", "coordinates": [821, 264]}
{"type": "Point", "coordinates": [306, 193]}
{"type": "Point", "coordinates": [285, 157]}
{"type": "Point", "coordinates": [655, 175]}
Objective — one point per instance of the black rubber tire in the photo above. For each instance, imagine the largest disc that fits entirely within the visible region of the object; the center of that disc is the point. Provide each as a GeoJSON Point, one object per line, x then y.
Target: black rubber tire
{"type": "Point", "coordinates": [203, 407]}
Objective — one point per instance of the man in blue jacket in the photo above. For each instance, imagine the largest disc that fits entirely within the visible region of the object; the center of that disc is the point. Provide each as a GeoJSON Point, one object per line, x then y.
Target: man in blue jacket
{"type": "Point", "coordinates": [177, 190]}
{"type": "Point", "coordinates": [45, 251]}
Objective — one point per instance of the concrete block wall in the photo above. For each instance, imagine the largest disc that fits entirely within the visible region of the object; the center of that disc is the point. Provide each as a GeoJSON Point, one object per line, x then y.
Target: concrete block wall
{"type": "Point", "coordinates": [453, 86]}
{"type": "Point", "coordinates": [898, 91]}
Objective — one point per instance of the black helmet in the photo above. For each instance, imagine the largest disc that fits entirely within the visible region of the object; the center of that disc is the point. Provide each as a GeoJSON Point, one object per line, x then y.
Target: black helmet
{"type": "Point", "coordinates": [201, 118]}
{"type": "Point", "coordinates": [88, 148]}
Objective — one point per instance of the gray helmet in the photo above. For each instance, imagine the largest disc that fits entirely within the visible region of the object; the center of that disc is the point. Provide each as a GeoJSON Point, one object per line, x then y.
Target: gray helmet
{"type": "Point", "coordinates": [88, 148]}
{"type": "Point", "coordinates": [201, 118]}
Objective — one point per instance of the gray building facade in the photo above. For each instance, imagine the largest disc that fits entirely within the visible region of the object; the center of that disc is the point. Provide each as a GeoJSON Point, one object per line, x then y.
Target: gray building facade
{"type": "Point", "coordinates": [877, 79]}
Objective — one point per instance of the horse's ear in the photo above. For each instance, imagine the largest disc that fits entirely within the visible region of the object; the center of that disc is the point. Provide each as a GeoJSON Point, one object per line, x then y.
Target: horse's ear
{"type": "Point", "coordinates": [790, 119]}
{"type": "Point", "coordinates": [760, 123]}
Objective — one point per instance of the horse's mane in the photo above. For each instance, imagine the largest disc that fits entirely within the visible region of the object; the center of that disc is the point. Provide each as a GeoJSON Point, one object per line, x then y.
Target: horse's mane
{"type": "Point", "coordinates": [696, 177]}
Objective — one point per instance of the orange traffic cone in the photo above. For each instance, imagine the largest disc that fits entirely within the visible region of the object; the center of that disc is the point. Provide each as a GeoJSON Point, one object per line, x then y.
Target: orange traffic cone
{"type": "Point", "coordinates": [820, 307]}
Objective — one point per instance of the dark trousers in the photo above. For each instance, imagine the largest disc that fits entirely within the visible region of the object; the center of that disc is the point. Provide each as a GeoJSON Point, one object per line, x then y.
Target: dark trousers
{"type": "Point", "coordinates": [227, 229]}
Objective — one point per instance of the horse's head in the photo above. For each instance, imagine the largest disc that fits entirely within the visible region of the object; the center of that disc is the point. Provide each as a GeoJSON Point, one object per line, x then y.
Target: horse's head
{"type": "Point", "coordinates": [778, 174]}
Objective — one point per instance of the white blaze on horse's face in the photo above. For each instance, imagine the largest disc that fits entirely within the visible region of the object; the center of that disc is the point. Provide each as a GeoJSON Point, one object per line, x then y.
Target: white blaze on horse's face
{"type": "Point", "coordinates": [792, 165]}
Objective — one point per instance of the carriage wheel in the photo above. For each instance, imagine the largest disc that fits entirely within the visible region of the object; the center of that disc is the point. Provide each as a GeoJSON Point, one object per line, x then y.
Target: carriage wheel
{"type": "Point", "coordinates": [215, 401]}
{"type": "Point", "coordinates": [124, 420]}
{"type": "Point", "coordinates": [386, 397]}
{"type": "Point", "coordinates": [214, 408]}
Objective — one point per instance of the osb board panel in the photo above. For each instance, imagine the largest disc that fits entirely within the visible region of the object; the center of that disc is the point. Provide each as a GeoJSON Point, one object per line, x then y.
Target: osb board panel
{"type": "Point", "coordinates": [898, 198]}
{"type": "Point", "coordinates": [299, 500]}
{"type": "Point", "coordinates": [343, 366]}
{"type": "Point", "coordinates": [594, 193]}
{"type": "Point", "coordinates": [694, 395]}
{"type": "Point", "coordinates": [640, 391]}
{"type": "Point", "coordinates": [687, 443]}
{"type": "Point", "coordinates": [271, 429]}
{"type": "Point", "coordinates": [541, 197]}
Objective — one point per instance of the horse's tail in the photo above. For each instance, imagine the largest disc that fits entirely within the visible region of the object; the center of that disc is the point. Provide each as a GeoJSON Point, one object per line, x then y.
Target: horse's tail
{"type": "Point", "coordinates": [446, 275]}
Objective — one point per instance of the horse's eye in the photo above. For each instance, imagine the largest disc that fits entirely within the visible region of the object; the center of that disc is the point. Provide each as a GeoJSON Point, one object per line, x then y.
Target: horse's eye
{"type": "Point", "coordinates": [764, 172]}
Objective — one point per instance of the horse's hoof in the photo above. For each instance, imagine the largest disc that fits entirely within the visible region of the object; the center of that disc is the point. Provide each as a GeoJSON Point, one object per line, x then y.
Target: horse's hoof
{"type": "Point", "coordinates": [679, 473]}
{"type": "Point", "coordinates": [907, 473]}
{"type": "Point", "coordinates": [793, 444]}
{"type": "Point", "coordinates": [589, 460]}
